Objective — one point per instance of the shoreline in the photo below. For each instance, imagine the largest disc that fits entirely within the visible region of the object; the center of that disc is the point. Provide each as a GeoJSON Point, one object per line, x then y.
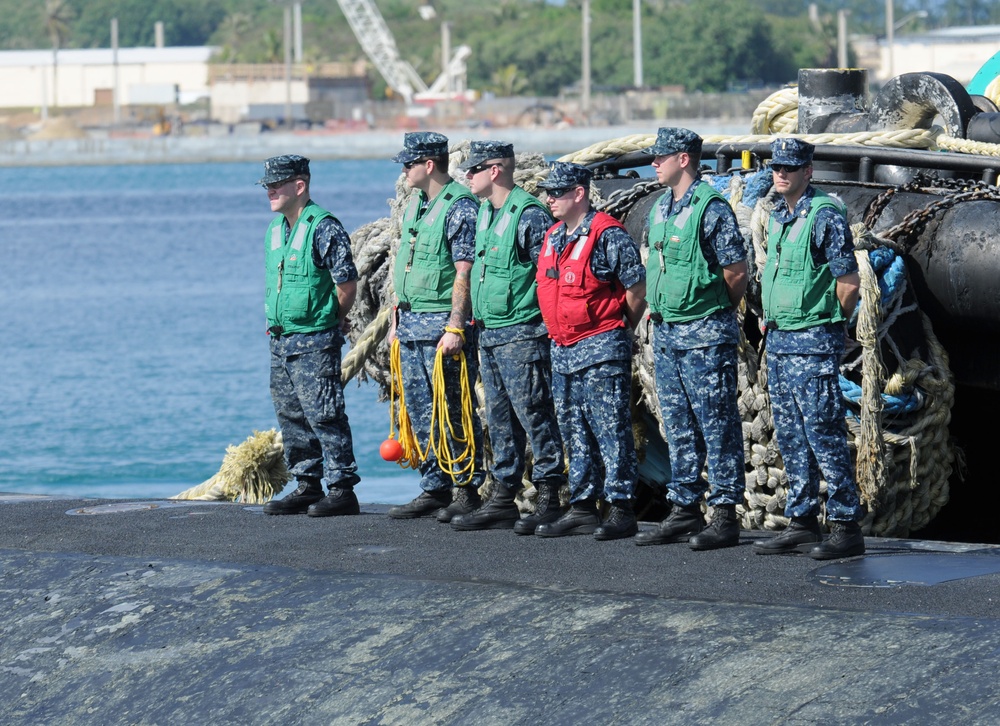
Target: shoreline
{"type": "Point", "coordinates": [322, 145]}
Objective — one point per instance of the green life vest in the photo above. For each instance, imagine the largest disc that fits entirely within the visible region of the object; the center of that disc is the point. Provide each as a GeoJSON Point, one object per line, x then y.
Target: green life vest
{"type": "Point", "coordinates": [300, 297]}
{"type": "Point", "coordinates": [503, 287]}
{"type": "Point", "coordinates": [424, 273]}
{"type": "Point", "coordinates": [796, 293]}
{"type": "Point", "coordinates": [680, 285]}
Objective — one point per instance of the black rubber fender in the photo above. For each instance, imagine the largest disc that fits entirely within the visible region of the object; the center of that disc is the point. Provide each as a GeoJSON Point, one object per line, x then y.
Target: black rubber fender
{"type": "Point", "coordinates": [914, 100]}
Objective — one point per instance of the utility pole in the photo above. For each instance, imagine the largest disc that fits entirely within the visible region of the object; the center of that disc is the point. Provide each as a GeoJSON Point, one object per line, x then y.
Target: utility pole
{"type": "Point", "coordinates": [446, 57]}
{"type": "Point", "coordinates": [637, 43]}
{"type": "Point", "coordinates": [890, 29]}
{"type": "Point", "coordinates": [842, 38]}
{"type": "Point", "coordinates": [288, 67]}
{"type": "Point", "coordinates": [297, 21]}
{"type": "Point", "coordinates": [585, 81]}
{"type": "Point", "coordinates": [115, 91]}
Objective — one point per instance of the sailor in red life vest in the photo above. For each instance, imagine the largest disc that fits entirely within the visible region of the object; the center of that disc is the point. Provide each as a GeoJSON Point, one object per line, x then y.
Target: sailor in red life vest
{"type": "Point", "coordinates": [591, 291]}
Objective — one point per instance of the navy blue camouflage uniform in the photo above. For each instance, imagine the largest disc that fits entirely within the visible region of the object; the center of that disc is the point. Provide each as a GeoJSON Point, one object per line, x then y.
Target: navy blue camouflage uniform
{"type": "Point", "coordinates": [696, 376]}
{"type": "Point", "coordinates": [306, 388]}
{"type": "Point", "coordinates": [516, 372]}
{"type": "Point", "coordinates": [803, 368]}
{"type": "Point", "coordinates": [592, 382]}
{"type": "Point", "coordinates": [418, 334]}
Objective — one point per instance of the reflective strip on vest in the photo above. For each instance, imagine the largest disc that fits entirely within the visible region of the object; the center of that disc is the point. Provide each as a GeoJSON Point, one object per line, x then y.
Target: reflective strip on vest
{"type": "Point", "coordinates": [436, 208]}
{"type": "Point", "coordinates": [299, 238]}
{"type": "Point", "coordinates": [683, 217]}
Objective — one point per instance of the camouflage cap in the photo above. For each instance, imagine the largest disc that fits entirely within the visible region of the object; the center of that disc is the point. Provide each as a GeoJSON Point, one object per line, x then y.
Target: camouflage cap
{"type": "Point", "coordinates": [794, 152]}
{"type": "Point", "coordinates": [421, 145]}
{"type": "Point", "coordinates": [671, 140]}
{"type": "Point", "coordinates": [480, 151]}
{"type": "Point", "coordinates": [280, 168]}
{"type": "Point", "coordinates": [565, 175]}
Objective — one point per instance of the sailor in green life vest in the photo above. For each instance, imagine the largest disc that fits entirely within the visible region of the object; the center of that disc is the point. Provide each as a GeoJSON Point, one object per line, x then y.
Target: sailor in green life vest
{"type": "Point", "coordinates": [311, 284]}
{"type": "Point", "coordinates": [434, 312]}
{"type": "Point", "coordinates": [809, 289]}
{"type": "Point", "coordinates": [696, 275]}
{"type": "Point", "coordinates": [513, 344]}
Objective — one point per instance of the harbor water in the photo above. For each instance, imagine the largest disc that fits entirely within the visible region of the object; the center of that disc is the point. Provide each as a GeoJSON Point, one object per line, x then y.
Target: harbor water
{"type": "Point", "coordinates": [133, 322]}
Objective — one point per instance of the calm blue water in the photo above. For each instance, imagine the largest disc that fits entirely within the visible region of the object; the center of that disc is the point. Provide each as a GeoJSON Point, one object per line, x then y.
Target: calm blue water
{"type": "Point", "coordinates": [132, 317]}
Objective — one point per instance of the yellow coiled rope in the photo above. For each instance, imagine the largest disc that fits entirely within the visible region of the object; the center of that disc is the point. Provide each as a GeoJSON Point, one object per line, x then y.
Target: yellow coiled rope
{"type": "Point", "coordinates": [412, 455]}
{"type": "Point", "coordinates": [441, 430]}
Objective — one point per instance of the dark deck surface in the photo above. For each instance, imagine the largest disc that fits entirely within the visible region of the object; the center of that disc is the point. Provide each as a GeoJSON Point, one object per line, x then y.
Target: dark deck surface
{"type": "Point", "coordinates": [214, 613]}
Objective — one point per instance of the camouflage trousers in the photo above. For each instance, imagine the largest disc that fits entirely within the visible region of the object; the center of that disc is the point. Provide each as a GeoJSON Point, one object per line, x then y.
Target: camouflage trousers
{"type": "Point", "coordinates": [519, 409]}
{"type": "Point", "coordinates": [592, 407]}
{"type": "Point", "coordinates": [809, 426]}
{"type": "Point", "coordinates": [309, 403]}
{"type": "Point", "coordinates": [698, 397]}
{"type": "Point", "coordinates": [417, 366]}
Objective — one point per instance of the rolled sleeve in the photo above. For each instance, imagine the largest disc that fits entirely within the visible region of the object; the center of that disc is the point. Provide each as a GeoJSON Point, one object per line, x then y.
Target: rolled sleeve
{"type": "Point", "coordinates": [834, 243]}
{"type": "Point", "coordinates": [617, 255]}
{"type": "Point", "coordinates": [461, 229]}
{"type": "Point", "coordinates": [720, 228]}
{"type": "Point", "coordinates": [332, 250]}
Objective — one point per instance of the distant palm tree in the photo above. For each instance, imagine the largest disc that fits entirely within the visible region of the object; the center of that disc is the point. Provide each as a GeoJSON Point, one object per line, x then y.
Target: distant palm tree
{"type": "Point", "coordinates": [508, 81]}
{"type": "Point", "coordinates": [233, 33]}
{"type": "Point", "coordinates": [58, 15]}
{"type": "Point", "coordinates": [272, 47]}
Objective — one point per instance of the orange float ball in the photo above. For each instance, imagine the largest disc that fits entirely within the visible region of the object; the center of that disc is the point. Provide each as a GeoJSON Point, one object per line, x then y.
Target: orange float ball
{"type": "Point", "coordinates": [391, 450]}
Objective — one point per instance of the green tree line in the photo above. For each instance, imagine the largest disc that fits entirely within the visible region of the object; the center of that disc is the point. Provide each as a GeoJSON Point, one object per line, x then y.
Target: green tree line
{"type": "Point", "coordinates": [519, 46]}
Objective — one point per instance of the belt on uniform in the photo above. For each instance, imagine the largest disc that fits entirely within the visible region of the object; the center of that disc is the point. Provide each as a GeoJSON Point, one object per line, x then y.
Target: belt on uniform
{"type": "Point", "coordinates": [403, 306]}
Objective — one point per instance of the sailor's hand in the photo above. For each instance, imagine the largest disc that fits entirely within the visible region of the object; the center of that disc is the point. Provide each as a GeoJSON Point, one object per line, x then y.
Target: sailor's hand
{"type": "Point", "coordinates": [451, 344]}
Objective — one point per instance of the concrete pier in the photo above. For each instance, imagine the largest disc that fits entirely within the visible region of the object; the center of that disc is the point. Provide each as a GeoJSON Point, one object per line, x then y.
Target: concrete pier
{"type": "Point", "coordinates": [180, 613]}
{"type": "Point", "coordinates": [376, 144]}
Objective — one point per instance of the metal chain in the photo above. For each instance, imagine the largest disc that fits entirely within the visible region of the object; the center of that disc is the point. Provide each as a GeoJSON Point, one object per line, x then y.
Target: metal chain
{"type": "Point", "coordinates": [902, 236]}
{"type": "Point", "coordinates": [913, 224]}
{"type": "Point", "coordinates": [622, 200]}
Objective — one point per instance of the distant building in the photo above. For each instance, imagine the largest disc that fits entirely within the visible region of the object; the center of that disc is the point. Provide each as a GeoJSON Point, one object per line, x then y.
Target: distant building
{"type": "Point", "coordinates": [89, 77]}
{"type": "Point", "coordinates": [958, 52]}
{"type": "Point", "coordinates": [35, 79]}
{"type": "Point", "coordinates": [259, 92]}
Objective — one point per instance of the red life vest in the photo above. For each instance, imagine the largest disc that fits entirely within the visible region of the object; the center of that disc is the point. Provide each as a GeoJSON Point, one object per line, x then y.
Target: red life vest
{"type": "Point", "coordinates": [575, 304]}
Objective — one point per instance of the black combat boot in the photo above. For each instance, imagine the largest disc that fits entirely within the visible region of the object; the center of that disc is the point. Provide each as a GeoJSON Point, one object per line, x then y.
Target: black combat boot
{"type": "Point", "coordinates": [620, 522]}
{"type": "Point", "coordinates": [499, 512]}
{"type": "Point", "coordinates": [308, 492]}
{"type": "Point", "coordinates": [801, 535]}
{"type": "Point", "coordinates": [337, 503]}
{"type": "Point", "coordinates": [722, 531]}
{"type": "Point", "coordinates": [582, 518]}
{"type": "Point", "coordinates": [845, 540]}
{"type": "Point", "coordinates": [466, 501]}
{"type": "Point", "coordinates": [683, 522]}
{"type": "Point", "coordinates": [546, 508]}
{"type": "Point", "coordinates": [426, 505]}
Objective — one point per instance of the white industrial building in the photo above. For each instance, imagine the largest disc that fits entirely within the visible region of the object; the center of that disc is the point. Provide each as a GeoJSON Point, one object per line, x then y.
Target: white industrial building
{"type": "Point", "coordinates": [75, 78]}
{"type": "Point", "coordinates": [29, 79]}
{"type": "Point", "coordinates": [958, 52]}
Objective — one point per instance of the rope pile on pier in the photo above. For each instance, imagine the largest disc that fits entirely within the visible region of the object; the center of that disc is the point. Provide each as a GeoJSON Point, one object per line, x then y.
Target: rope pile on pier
{"type": "Point", "coordinates": [252, 472]}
